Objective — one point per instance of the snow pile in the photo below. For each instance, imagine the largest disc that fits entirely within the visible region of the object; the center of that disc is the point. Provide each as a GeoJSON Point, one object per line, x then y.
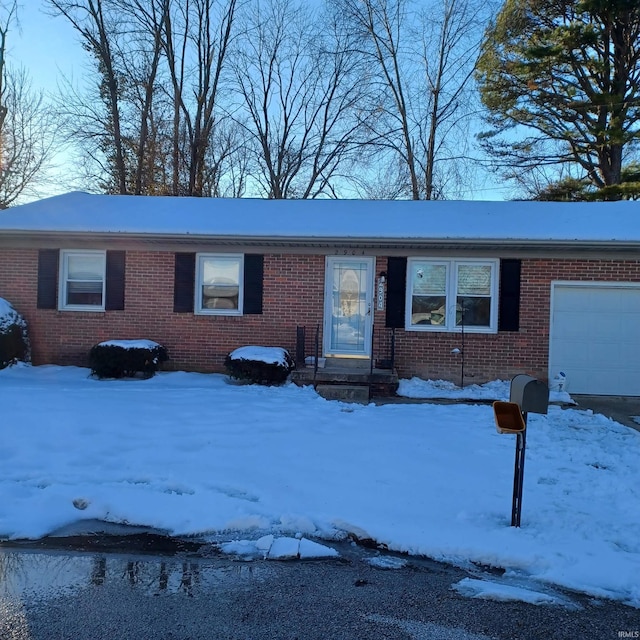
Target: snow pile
{"type": "Point", "coordinates": [268, 355]}
{"type": "Point", "coordinates": [131, 344]}
{"type": "Point", "coordinates": [261, 365]}
{"type": "Point", "coordinates": [443, 389]}
{"type": "Point", "coordinates": [282, 548]}
{"type": "Point", "coordinates": [191, 454]}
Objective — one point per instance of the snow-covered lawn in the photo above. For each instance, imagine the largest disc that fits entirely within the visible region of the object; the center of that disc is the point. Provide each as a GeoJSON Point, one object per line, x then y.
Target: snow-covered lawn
{"type": "Point", "coordinates": [192, 454]}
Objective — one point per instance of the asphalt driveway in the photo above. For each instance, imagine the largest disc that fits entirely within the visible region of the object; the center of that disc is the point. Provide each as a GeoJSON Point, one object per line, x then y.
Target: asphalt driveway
{"type": "Point", "coordinates": [622, 409]}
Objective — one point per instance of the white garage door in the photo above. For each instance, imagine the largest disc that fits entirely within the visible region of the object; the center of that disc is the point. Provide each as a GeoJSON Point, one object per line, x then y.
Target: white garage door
{"type": "Point", "coordinates": [595, 337]}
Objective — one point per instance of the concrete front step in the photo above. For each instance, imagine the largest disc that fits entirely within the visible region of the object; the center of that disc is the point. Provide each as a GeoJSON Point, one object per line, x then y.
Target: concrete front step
{"type": "Point", "coordinates": [359, 364]}
{"type": "Point", "coordinates": [380, 382]}
{"type": "Point", "coordinates": [344, 392]}
{"type": "Point", "coordinates": [343, 375]}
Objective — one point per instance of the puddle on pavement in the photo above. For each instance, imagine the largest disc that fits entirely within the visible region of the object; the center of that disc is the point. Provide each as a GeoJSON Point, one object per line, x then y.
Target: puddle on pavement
{"type": "Point", "coordinates": [36, 575]}
{"type": "Point", "coordinates": [94, 554]}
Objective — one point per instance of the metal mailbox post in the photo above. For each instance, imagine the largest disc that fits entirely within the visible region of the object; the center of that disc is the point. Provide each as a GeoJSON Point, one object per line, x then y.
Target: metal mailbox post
{"type": "Point", "coordinates": [526, 394]}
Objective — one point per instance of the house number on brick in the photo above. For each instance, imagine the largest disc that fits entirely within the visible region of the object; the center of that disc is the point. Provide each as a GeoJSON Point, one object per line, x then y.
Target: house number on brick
{"type": "Point", "coordinates": [380, 294]}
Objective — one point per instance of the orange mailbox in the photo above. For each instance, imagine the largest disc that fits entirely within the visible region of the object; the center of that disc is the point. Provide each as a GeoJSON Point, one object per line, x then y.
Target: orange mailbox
{"type": "Point", "coordinates": [508, 417]}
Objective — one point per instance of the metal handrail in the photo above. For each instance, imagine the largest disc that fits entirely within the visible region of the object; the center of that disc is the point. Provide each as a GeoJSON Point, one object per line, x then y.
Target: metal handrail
{"type": "Point", "coordinates": [301, 338]}
{"type": "Point", "coordinates": [316, 354]}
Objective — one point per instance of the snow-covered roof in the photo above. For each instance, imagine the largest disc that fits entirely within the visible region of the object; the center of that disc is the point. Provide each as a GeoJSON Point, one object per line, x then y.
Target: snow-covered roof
{"type": "Point", "coordinates": [357, 220]}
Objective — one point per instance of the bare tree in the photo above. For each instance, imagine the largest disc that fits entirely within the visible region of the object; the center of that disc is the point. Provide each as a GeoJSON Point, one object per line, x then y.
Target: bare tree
{"type": "Point", "coordinates": [197, 36]}
{"type": "Point", "coordinates": [151, 123]}
{"type": "Point", "coordinates": [141, 69]}
{"type": "Point", "coordinates": [96, 23]}
{"type": "Point", "coordinates": [26, 125]}
{"type": "Point", "coordinates": [300, 88]}
{"type": "Point", "coordinates": [118, 125]}
{"type": "Point", "coordinates": [226, 161]}
{"type": "Point", "coordinates": [380, 23]}
{"type": "Point", "coordinates": [450, 44]}
{"type": "Point", "coordinates": [425, 61]}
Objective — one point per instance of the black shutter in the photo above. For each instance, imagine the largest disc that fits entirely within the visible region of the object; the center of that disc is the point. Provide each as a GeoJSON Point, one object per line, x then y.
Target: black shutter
{"type": "Point", "coordinates": [396, 291]}
{"type": "Point", "coordinates": [48, 266]}
{"type": "Point", "coordinates": [253, 283]}
{"type": "Point", "coordinates": [115, 281]}
{"type": "Point", "coordinates": [509, 305]}
{"type": "Point", "coordinates": [184, 282]}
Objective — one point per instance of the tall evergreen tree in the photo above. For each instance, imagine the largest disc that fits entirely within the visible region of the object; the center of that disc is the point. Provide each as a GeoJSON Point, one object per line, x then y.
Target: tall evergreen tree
{"type": "Point", "coordinates": [561, 82]}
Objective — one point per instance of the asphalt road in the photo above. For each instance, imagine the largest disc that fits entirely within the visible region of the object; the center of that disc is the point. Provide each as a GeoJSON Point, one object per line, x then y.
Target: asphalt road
{"type": "Point", "coordinates": [96, 595]}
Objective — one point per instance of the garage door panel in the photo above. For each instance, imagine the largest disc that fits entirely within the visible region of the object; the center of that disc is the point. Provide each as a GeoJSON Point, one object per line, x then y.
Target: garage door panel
{"type": "Point", "coordinates": [628, 301]}
{"type": "Point", "coordinates": [632, 305]}
{"type": "Point", "coordinates": [603, 327]}
{"type": "Point", "coordinates": [632, 352]}
{"type": "Point", "coordinates": [571, 325]}
{"type": "Point", "coordinates": [571, 352]}
{"type": "Point", "coordinates": [629, 323]}
{"type": "Point", "coordinates": [571, 300]}
{"type": "Point", "coordinates": [602, 353]}
{"type": "Point", "coordinates": [607, 326]}
{"type": "Point", "coordinates": [595, 338]}
{"type": "Point", "coordinates": [611, 387]}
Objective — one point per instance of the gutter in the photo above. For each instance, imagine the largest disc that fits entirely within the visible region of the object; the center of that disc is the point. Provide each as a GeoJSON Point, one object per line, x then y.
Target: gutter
{"type": "Point", "coordinates": [29, 238]}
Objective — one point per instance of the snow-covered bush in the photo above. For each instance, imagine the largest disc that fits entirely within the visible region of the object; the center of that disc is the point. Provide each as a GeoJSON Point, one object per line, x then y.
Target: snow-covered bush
{"type": "Point", "coordinates": [14, 339]}
{"type": "Point", "coordinates": [126, 358]}
{"type": "Point", "coordinates": [260, 365]}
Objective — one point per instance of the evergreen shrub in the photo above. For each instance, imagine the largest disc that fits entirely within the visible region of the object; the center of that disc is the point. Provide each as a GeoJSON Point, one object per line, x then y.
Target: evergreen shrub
{"type": "Point", "coordinates": [259, 365]}
{"type": "Point", "coordinates": [126, 358]}
{"type": "Point", "coordinates": [14, 338]}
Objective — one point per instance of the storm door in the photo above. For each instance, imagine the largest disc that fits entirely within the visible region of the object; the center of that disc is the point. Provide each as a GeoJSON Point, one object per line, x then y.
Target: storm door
{"type": "Point", "coordinates": [348, 314]}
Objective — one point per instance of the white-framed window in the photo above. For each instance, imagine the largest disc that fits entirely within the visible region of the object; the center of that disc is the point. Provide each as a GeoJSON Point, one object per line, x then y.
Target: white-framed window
{"type": "Point", "coordinates": [452, 295]}
{"type": "Point", "coordinates": [82, 280]}
{"type": "Point", "coordinates": [219, 283]}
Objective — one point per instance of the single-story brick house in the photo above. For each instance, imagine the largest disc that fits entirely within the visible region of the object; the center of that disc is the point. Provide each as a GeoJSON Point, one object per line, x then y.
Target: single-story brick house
{"type": "Point", "coordinates": [511, 287]}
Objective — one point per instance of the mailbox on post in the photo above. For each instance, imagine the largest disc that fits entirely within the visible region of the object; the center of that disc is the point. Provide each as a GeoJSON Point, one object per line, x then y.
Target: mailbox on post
{"type": "Point", "coordinates": [526, 394]}
{"type": "Point", "coordinates": [530, 394]}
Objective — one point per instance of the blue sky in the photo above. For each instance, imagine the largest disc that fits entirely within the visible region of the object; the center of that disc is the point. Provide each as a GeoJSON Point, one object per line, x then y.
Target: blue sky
{"type": "Point", "coordinates": [47, 47]}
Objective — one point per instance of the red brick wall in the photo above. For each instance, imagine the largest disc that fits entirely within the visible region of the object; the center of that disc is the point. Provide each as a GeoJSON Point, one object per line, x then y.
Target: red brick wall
{"type": "Point", "coordinates": [504, 354]}
{"type": "Point", "coordinates": [293, 295]}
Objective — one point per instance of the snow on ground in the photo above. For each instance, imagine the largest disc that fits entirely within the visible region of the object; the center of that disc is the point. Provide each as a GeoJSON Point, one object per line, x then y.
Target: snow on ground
{"type": "Point", "coordinates": [444, 389]}
{"type": "Point", "coordinates": [190, 454]}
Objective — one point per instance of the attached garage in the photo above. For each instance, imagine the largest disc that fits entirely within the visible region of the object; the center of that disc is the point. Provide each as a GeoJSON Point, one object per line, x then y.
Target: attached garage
{"type": "Point", "coordinates": [595, 337]}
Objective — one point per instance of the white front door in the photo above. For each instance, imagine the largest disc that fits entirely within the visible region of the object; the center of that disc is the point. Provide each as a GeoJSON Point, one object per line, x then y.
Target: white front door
{"type": "Point", "coordinates": [348, 308]}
